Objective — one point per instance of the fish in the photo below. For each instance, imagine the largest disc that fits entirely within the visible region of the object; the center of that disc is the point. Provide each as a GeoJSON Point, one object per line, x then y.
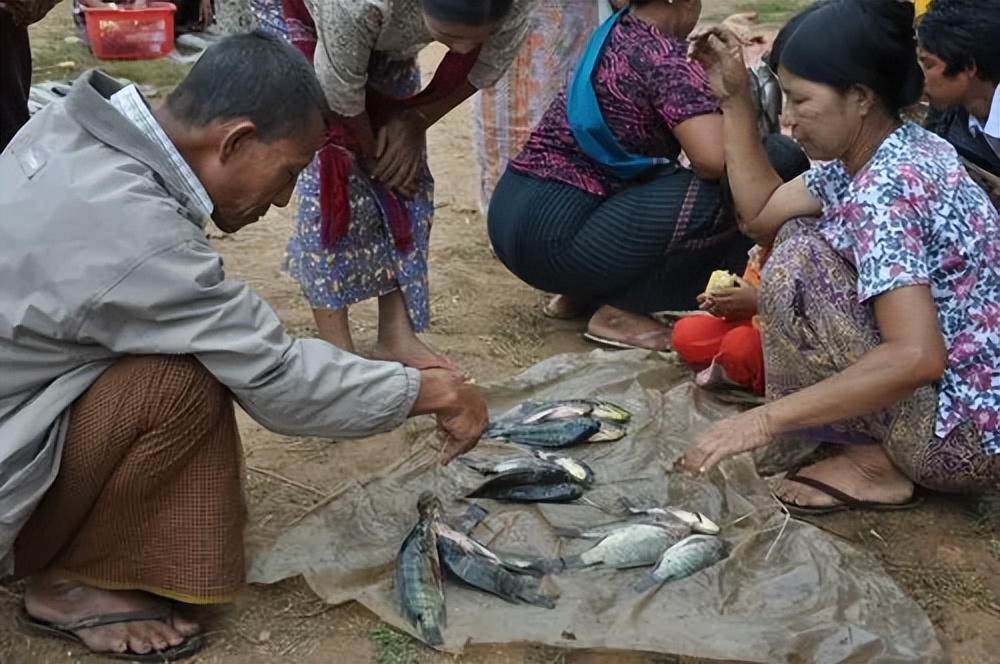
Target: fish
{"type": "Point", "coordinates": [600, 531]}
{"type": "Point", "coordinates": [608, 433]}
{"type": "Point", "coordinates": [418, 574]}
{"type": "Point", "coordinates": [479, 567]}
{"type": "Point", "coordinates": [533, 565]}
{"type": "Point", "coordinates": [578, 470]}
{"type": "Point", "coordinates": [546, 484]}
{"type": "Point", "coordinates": [634, 546]}
{"type": "Point", "coordinates": [692, 554]}
{"type": "Point", "coordinates": [558, 411]}
{"type": "Point", "coordinates": [609, 412]}
{"type": "Point", "coordinates": [560, 433]}
{"type": "Point", "coordinates": [698, 522]}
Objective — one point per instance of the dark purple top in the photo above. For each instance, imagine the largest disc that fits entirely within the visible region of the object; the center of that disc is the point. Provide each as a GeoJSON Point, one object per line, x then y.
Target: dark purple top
{"type": "Point", "coordinates": [645, 86]}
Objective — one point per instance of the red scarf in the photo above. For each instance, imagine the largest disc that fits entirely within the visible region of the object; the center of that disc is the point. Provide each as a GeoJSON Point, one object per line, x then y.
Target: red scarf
{"type": "Point", "coordinates": [335, 157]}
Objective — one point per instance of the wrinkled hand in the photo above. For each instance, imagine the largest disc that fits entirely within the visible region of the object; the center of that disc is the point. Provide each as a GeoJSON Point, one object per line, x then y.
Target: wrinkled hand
{"type": "Point", "coordinates": [721, 54]}
{"type": "Point", "coordinates": [461, 423]}
{"type": "Point", "coordinates": [399, 148]}
{"type": "Point", "coordinates": [733, 304]}
{"type": "Point", "coordinates": [734, 435]}
{"type": "Point", "coordinates": [206, 13]}
{"type": "Point", "coordinates": [27, 12]}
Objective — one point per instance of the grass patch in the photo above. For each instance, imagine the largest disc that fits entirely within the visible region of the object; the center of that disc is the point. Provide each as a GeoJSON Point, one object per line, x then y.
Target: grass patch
{"type": "Point", "coordinates": [770, 13]}
{"type": "Point", "coordinates": [392, 646]}
{"type": "Point", "coordinates": [55, 59]}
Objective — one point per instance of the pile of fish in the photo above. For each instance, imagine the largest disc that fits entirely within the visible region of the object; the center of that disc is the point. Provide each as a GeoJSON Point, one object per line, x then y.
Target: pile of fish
{"type": "Point", "coordinates": [673, 543]}
{"type": "Point", "coordinates": [543, 477]}
{"type": "Point", "coordinates": [678, 542]}
{"type": "Point", "coordinates": [555, 424]}
{"type": "Point", "coordinates": [419, 581]}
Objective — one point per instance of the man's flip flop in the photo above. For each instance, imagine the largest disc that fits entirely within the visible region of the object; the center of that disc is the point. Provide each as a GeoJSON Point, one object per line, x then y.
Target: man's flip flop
{"type": "Point", "coordinates": [846, 503]}
{"type": "Point", "coordinates": [66, 632]}
{"type": "Point", "coordinates": [624, 345]}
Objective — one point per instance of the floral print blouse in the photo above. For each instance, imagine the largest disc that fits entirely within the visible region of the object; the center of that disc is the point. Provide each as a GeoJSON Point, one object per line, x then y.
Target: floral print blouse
{"type": "Point", "coordinates": [913, 216]}
{"type": "Point", "coordinates": [348, 31]}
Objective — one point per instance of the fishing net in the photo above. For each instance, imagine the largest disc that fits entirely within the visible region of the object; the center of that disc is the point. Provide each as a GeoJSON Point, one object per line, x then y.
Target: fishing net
{"type": "Point", "coordinates": [789, 592]}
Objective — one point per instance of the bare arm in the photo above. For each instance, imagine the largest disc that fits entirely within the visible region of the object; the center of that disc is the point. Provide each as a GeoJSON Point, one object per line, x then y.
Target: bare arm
{"type": "Point", "coordinates": [430, 112]}
{"type": "Point", "coordinates": [699, 138]}
{"type": "Point", "coordinates": [912, 354]}
{"type": "Point", "coordinates": [763, 202]}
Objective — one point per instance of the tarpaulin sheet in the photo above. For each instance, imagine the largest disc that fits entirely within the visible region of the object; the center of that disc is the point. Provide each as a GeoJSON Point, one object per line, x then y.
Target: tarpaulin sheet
{"type": "Point", "coordinates": [789, 592]}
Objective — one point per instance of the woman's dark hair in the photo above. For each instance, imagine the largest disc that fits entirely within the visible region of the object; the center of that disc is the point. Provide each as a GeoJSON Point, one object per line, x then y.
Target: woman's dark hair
{"type": "Point", "coordinates": [773, 58]}
{"type": "Point", "coordinates": [859, 42]}
{"type": "Point", "coordinates": [471, 13]}
{"type": "Point", "coordinates": [963, 33]}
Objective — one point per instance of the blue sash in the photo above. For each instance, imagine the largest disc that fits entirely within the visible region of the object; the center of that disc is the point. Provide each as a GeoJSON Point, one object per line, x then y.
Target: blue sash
{"type": "Point", "coordinates": [586, 121]}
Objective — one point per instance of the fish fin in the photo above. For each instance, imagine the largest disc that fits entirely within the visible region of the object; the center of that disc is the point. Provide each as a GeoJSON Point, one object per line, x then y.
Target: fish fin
{"type": "Point", "coordinates": [646, 583]}
{"type": "Point", "coordinates": [567, 532]}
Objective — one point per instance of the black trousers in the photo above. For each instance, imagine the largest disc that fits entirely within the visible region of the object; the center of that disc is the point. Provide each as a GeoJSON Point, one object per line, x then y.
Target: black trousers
{"type": "Point", "coordinates": [648, 248]}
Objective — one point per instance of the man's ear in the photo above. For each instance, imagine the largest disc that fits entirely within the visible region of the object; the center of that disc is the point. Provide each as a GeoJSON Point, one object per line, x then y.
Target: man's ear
{"type": "Point", "coordinates": [236, 134]}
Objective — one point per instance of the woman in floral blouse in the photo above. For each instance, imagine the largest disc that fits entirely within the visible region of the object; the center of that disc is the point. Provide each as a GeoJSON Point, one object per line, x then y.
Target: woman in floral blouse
{"type": "Point", "coordinates": [882, 311]}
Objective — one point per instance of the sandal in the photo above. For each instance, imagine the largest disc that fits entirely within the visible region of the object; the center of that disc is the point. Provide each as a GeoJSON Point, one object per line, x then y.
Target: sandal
{"type": "Point", "coordinates": [67, 632]}
{"type": "Point", "coordinates": [846, 504]}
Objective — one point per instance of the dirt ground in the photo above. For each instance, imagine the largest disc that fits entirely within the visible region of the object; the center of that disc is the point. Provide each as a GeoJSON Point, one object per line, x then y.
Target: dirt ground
{"type": "Point", "coordinates": [944, 554]}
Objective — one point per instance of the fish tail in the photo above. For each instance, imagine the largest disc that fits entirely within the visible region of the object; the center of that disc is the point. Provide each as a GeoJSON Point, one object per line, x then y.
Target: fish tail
{"type": "Point", "coordinates": [646, 583]}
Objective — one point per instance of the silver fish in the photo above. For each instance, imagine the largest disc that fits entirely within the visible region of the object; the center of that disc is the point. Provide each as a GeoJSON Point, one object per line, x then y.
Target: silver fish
{"type": "Point", "coordinates": [600, 531]}
{"type": "Point", "coordinates": [557, 411]}
{"type": "Point", "coordinates": [578, 470]}
{"type": "Point", "coordinates": [633, 546]}
{"type": "Point", "coordinates": [690, 555]}
{"type": "Point", "coordinates": [608, 433]}
{"type": "Point", "coordinates": [547, 484]}
{"type": "Point", "coordinates": [698, 522]}
{"type": "Point", "coordinates": [418, 574]}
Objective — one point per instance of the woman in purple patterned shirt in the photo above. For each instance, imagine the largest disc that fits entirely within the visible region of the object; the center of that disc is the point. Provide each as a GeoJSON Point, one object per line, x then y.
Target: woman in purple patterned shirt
{"type": "Point", "coordinates": [597, 207]}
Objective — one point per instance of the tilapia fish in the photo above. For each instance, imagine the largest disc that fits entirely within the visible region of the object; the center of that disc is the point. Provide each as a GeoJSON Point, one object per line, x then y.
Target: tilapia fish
{"type": "Point", "coordinates": [577, 470]}
{"type": "Point", "coordinates": [536, 485]}
{"type": "Point", "coordinates": [678, 520]}
{"type": "Point", "coordinates": [688, 556]}
{"type": "Point", "coordinates": [633, 546]}
{"type": "Point", "coordinates": [557, 433]}
{"type": "Point", "coordinates": [418, 574]}
{"type": "Point", "coordinates": [479, 567]}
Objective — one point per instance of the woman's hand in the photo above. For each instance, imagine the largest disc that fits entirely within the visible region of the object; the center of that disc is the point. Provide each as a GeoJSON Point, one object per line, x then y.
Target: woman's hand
{"type": "Point", "coordinates": [735, 304]}
{"type": "Point", "coordinates": [721, 54]}
{"type": "Point", "coordinates": [734, 435]}
{"type": "Point", "coordinates": [399, 150]}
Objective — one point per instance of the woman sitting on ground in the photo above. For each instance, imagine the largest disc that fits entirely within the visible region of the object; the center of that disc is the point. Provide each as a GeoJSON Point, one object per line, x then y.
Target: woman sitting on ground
{"type": "Point", "coordinates": [596, 207]}
{"type": "Point", "coordinates": [882, 316]}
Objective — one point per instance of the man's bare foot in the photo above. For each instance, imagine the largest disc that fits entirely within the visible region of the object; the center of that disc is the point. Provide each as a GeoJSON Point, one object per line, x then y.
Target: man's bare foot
{"type": "Point", "coordinates": [614, 326]}
{"type": "Point", "coordinates": [863, 472]}
{"type": "Point", "coordinates": [56, 600]}
{"type": "Point", "coordinates": [566, 307]}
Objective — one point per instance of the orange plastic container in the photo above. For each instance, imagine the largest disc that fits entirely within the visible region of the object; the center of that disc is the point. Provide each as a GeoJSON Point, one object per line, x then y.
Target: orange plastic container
{"type": "Point", "coordinates": [131, 33]}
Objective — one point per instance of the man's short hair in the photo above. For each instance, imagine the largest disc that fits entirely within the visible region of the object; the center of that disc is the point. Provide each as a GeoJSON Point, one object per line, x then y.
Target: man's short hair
{"type": "Point", "coordinates": [963, 33]}
{"type": "Point", "coordinates": [254, 76]}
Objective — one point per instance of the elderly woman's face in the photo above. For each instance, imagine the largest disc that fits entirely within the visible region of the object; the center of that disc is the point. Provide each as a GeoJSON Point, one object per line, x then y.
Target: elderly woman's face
{"type": "Point", "coordinates": [824, 121]}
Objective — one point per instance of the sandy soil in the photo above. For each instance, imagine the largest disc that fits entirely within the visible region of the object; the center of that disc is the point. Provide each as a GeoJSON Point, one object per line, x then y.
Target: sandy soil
{"type": "Point", "coordinates": [944, 554]}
